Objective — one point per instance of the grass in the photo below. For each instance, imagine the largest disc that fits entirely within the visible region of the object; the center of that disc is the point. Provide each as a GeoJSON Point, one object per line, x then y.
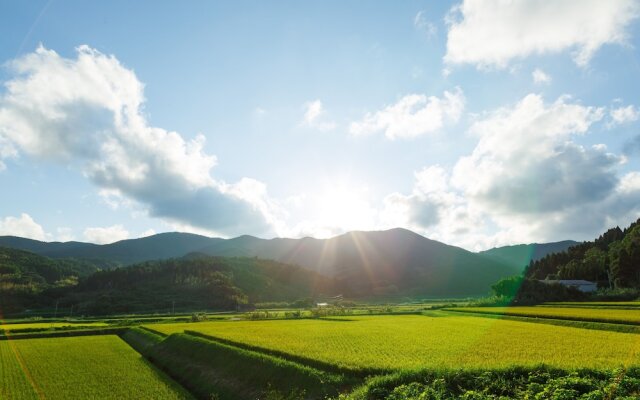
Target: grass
{"type": "Point", "coordinates": [98, 367]}
{"type": "Point", "coordinates": [211, 369]}
{"type": "Point", "coordinates": [386, 343]}
{"type": "Point", "coordinates": [570, 313]}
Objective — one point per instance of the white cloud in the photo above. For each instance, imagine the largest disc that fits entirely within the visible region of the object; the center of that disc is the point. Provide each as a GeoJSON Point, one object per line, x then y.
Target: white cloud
{"type": "Point", "coordinates": [148, 232]}
{"type": "Point", "coordinates": [527, 180]}
{"type": "Point", "coordinates": [23, 226]}
{"type": "Point", "coordinates": [314, 116]}
{"type": "Point", "coordinates": [492, 33]}
{"type": "Point", "coordinates": [7, 150]}
{"type": "Point", "coordinates": [539, 76]}
{"type": "Point", "coordinates": [437, 210]}
{"type": "Point", "coordinates": [105, 235]}
{"type": "Point", "coordinates": [413, 115]}
{"type": "Point", "coordinates": [623, 115]}
{"type": "Point", "coordinates": [525, 162]}
{"type": "Point", "coordinates": [420, 22]}
{"type": "Point", "coordinates": [64, 234]}
{"type": "Point", "coordinates": [87, 112]}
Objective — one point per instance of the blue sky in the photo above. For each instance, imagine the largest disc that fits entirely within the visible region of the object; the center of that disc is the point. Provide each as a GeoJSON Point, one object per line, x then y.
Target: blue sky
{"type": "Point", "coordinates": [477, 123]}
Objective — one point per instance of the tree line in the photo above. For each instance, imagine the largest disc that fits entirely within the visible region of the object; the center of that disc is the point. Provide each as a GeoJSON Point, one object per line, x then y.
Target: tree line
{"type": "Point", "coordinates": [612, 260]}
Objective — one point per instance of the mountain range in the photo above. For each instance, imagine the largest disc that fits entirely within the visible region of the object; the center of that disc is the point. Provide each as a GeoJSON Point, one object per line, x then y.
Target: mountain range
{"type": "Point", "coordinates": [522, 254]}
{"type": "Point", "coordinates": [394, 262]}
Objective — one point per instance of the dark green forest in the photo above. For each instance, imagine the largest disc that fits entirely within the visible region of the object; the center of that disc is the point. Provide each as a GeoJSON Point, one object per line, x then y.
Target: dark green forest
{"type": "Point", "coordinates": [612, 260]}
{"type": "Point", "coordinates": [29, 281]}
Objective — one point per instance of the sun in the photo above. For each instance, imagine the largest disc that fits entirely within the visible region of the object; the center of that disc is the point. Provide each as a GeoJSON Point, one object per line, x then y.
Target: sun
{"type": "Point", "coordinates": [343, 207]}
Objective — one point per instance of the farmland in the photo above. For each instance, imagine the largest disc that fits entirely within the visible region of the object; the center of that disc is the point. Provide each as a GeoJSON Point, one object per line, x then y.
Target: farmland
{"type": "Point", "coordinates": [611, 315]}
{"type": "Point", "coordinates": [47, 325]}
{"type": "Point", "coordinates": [323, 357]}
{"type": "Point", "coordinates": [412, 341]}
{"type": "Point", "coordinates": [102, 367]}
{"type": "Point", "coordinates": [595, 304]}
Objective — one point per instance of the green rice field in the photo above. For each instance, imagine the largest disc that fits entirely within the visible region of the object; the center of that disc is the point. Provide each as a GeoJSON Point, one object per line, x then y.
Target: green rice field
{"type": "Point", "coordinates": [414, 341]}
{"type": "Point", "coordinates": [592, 304]}
{"type": "Point", "coordinates": [48, 325]}
{"type": "Point", "coordinates": [90, 367]}
{"type": "Point", "coordinates": [572, 313]}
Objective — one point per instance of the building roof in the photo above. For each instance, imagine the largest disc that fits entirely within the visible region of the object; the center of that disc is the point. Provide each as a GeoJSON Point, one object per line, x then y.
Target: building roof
{"type": "Point", "coordinates": [572, 282]}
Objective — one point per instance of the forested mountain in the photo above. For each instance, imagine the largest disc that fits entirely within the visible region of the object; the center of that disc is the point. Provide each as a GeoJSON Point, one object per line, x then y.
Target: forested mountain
{"type": "Point", "coordinates": [124, 252]}
{"type": "Point", "coordinates": [522, 254]}
{"type": "Point", "coordinates": [395, 262]}
{"type": "Point", "coordinates": [613, 260]}
{"type": "Point", "coordinates": [195, 282]}
{"type": "Point", "coordinates": [25, 276]}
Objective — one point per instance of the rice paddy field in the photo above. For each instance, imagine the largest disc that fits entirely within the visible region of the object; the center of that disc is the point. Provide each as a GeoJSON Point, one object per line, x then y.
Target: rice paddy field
{"type": "Point", "coordinates": [48, 325]}
{"type": "Point", "coordinates": [595, 304]}
{"type": "Point", "coordinates": [95, 367]}
{"type": "Point", "coordinates": [611, 315]}
{"type": "Point", "coordinates": [418, 341]}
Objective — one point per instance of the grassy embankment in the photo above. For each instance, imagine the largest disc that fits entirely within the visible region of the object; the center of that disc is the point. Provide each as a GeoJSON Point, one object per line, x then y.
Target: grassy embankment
{"type": "Point", "coordinates": [211, 369]}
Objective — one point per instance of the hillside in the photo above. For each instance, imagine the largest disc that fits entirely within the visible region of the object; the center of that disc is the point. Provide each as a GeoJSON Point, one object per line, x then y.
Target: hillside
{"type": "Point", "coordinates": [124, 252]}
{"type": "Point", "coordinates": [24, 276]}
{"type": "Point", "coordinates": [195, 282]}
{"type": "Point", "coordinates": [395, 262]}
{"type": "Point", "coordinates": [522, 254]}
{"type": "Point", "coordinates": [612, 260]}
{"type": "Point", "coordinates": [392, 263]}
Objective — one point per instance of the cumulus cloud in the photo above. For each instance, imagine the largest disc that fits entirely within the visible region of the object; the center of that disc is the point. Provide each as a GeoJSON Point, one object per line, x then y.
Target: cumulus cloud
{"type": "Point", "coordinates": [539, 76]}
{"type": "Point", "coordinates": [525, 161]}
{"type": "Point", "coordinates": [413, 115]}
{"type": "Point", "coordinates": [64, 234]}
{"type": "Point", "coordinates": [623, 115]}
{"type": "Point", "coordinates": [424, 206]}
{"type": "Point", "coordinates": [147, 233]}
{"type": "Point", "coordinates": [436, 209]}
{"type": "Point", "coordinates": [492, 33]}
{"type": "Point", "coordinates": [87, 112]}
{"type": "Point", "coordinates": [23, 226]}
{"type": "Point", "coordinates": [527, 179]}
{"type": "Point", "coordinates": [314, 116]}
{"type": "Point", "coordinates": [106, 235]}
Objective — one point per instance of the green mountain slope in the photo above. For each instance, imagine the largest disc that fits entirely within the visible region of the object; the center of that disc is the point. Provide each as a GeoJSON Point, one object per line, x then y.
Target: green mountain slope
{"type": "Point", "coordinates": [26, 278]}
{"type": "Point", "coordinates": [522, 254]}
{"type": "Point", "coordinates": [194, 282]}
{"type": "Point", "coordinates": [392, 263]}
{"type": "Point", "coordinates": [395, 262]}
{"type": "Point", "coordinates": [124, 252]}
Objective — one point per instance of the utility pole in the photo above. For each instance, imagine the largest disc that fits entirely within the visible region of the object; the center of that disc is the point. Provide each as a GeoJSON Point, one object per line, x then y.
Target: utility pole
{"type": "Point", "coordinates": [173, 307]}
{"type": "Point", "coordinates": [55, 314]}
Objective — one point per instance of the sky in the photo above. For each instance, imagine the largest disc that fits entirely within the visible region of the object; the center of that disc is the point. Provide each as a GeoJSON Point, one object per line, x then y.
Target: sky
{"type": "Point", "coordinates": [475, 123]}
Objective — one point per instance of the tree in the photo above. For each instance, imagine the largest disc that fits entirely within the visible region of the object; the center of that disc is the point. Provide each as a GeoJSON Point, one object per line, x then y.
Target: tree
{"type": "Point", "coordinates": [571, 270]}
{"type": "Point", "coordinates": [507, 287]}
{"type": "Point", "coordinates": [594, 264]}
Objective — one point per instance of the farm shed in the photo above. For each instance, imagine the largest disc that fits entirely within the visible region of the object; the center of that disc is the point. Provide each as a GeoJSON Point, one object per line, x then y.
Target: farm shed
{"type": "Point", "coordinates": [581, 285]}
